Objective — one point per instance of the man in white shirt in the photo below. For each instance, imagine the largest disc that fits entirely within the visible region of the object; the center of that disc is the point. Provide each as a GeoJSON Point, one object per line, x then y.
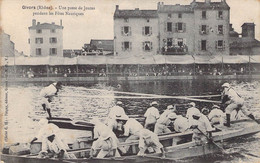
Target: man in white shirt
{"type": "Point", "coordinates": [234, 101]}
{"type": "Point", "coordinates": [151, 115]}
{"type": "Point", "coordinates": [162, 124]}
{"type": "Point", "coordinates": [47, 94]}
{"type": "Point", "coordinates": [149, 141]}
{"type": "Point", "coordinates": [201, 127]}
{"type": "Point", "coordinates": [216, 115]}
{"type": "Point", "coordinates": [190, 111]}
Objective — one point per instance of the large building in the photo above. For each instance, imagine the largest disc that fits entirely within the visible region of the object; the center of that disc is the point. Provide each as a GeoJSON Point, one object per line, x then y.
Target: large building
{"type": "Point", "coordinates": [201, 28]}
{"type": "Point", "coordinates": [46, 39]}
{"type": "Point", "coordinates": [7, 46]}
{"type": "Point", "coordinates": [135, 32]}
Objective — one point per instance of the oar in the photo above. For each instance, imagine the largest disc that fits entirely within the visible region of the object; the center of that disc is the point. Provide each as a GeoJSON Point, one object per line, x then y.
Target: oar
{"type": "Point", "coordinates": [222, 149]}
{"type": "Point", "coordinates": [161, 158]}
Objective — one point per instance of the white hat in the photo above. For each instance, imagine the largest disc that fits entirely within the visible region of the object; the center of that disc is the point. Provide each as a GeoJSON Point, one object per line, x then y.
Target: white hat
{"type": "Point", "coordinates": [170, 107]}
{"type": "Point", "coordinates": [154, 103]}
{"type": "Point", "coordinates": [172, 116]}
{"type": "Point", "coordinates": [215, 106]}
{"type": "Point", "coordinates": [192, 104]}
{"type": "Point", "coordinates": [226, 85]}
{"type": "Point", "coordinates": [122, 117]}
{"type": "Point", "coordinates": [119, 103]}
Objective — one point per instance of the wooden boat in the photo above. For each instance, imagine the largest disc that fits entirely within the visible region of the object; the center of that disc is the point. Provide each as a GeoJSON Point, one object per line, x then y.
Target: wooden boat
{"type": "Point", "coordinates": [173, 153]}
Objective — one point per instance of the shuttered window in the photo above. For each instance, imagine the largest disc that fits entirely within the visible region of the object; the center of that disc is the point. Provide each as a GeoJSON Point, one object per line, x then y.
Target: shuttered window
{"type": "Point", "coordinates": [126, 31]}
{"type": "Point", "coordinates": [126, 46]}
{"type": "Point", "coordinates": [147, 31]}
{"type": "Point", "coordinates": [147, 46]}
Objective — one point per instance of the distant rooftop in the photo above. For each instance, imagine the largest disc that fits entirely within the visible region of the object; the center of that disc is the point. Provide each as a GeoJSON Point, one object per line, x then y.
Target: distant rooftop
{"type": "Point", "coordinates": [244, 42]}
{"type": "Point", "coordinates": [106, 45]}
{"type": "Point", "coordinates": [136, 13]}
{"type": "Point", "coordinates": [39, 25]}
{"type": "Point", "coordinates": [210, 5]}
{"type": "Point", "coordinates": [248, 24]}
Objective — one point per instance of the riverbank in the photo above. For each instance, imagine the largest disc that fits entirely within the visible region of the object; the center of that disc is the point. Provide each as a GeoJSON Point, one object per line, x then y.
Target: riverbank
{"type": "Point", "coordinates": [129, 78]}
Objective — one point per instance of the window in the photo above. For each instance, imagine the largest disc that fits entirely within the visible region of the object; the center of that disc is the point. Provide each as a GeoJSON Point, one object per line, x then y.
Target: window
{"type": "Point", "coordinates": [179, 15]}
{"type": "Point", "coordinates": [126, 20]}
{"type": "Point", "coordinates": [169, 26]}
{"type": "Point", "coordinates": [147, 31]}
{"type": "Point", "coordinates": [53, 40]}
{"type": "Point", "coordinates": [38, 31]}
{"type": "Point", "coordinates": [220, 45]}
{"type": "Point", "coordinates": [169, 42]}
{"type": "Point", "coordinates": [180, 27]}
{"type": "Point", "coordinates": [38, 51]}
{"type": "Point", "coordinates": [147, 46]}
{"type": "Point", "coordinates": [169, 15]}
{"type": "Point", "coordinates": [203, 44]}
{"type": "Point", "coordinates": [180, 42]}
{"type": "Point", "coordinates": [220, 29]}
{"type": "Point", "coordinates": [126, 45]}
{"type": "Point", "coordinates": [126, 31]}
{"type": "Point", "coordinates": [220, 14]}
{"type": "Point", "coordinates": [29, 41]}
{"type": "Point", "coordinates": [53, 51]}
{"type": "Point", "coordinates": [53, 31]}
{"type": "Point", "coordinates": [38, 40]}
{"type": "Point", "coordinates": [203, 29]}
{"type": "Point", "coordinates": [204, 15]}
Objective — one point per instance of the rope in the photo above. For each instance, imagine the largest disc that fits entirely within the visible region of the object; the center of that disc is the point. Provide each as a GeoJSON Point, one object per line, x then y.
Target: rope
{"type": "Point", "coordinates": [142, 97]}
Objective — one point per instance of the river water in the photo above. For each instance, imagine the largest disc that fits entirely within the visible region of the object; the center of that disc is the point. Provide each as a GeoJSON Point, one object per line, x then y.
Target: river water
{"type": "Point", "coordinates": [74, 101]}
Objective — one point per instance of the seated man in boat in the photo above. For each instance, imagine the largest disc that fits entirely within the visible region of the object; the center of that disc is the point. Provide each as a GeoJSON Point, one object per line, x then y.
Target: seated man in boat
{"type": "Point", "coordinates": [107, 143]}
{"type": "Point", "coordinates": [181, 125]}
{"type": "Point", "coordinates": [47, 94]}
{"type": "Point", "coordinates": [99, 127]}
{"type": "Point", "coordinates": [201, 128]}
{"type": "Point", "coordinates": [233, 101]}
{"type": "Point", "coordinates": [163, 123]}
{"type": "Point", "coordinates": [190, 111]}
{"type": "Point", "coordinates": [131, 127]}
{"type": "Point", "coordinates": [151, 115]}
{"type": "Point", "coordinates": [149, 142]}
{"type": "Point", "coordinates": [170, 109]}
{"type": "Point", "coordinates": [216, 115]}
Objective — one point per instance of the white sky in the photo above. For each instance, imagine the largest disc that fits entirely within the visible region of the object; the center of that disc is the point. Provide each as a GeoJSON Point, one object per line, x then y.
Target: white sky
{"type": "Point", "coordinates": [98, 23]}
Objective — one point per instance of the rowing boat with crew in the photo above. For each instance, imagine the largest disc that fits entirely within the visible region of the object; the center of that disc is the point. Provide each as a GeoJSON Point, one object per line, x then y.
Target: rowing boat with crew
{"type": "Point", "coordinates": [183, 150]}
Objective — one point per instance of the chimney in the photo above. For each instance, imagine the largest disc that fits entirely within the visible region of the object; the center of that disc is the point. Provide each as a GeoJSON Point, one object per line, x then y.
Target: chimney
{"type": "Point", "coordinates": [117, 7]}
{"type": "Point", "coordinates": [52, 23]}
{"type": "Point", "coordinates": [60, 22]}
{"type": "Point", "coordinates": [230, 27]}
{"type": "Point", "coordinates": [33, 22]}
{"type": "Point", "coordinates": [248, 30]}
{"type": "Point", "coordinates": [207, 1]}
{"type": "Point", "coordinates": [38, 23]}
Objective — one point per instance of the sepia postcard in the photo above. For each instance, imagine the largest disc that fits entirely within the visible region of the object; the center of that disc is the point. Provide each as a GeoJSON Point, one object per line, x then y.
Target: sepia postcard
{"type": "Point", "coordinates": [129, 81]}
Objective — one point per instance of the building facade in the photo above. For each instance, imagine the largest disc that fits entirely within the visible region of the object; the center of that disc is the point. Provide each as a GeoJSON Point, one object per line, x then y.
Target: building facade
{"type": "Point", "coordinates": [7, 46]}
{"type": "Point", "coordinates": [135, 32]}
{"type": "Point", "coordinates": [201, 28]}
{"type": "Point", "coordinates": [46, 39]}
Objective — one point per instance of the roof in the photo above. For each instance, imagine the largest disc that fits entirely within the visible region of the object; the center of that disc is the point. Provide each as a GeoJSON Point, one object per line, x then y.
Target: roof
{"type": "Point", "coordinates": [248, 24]}
{"type": "Point", "coordinates": [46, 26]}
{"type": "Point", "coordinates": [210, 5]}
{"type": "Point", "coordinates": [244, 42]}
{"type": "Point", "coordinates": [135, 13]}
{"type": "Point", "coordinates": [106, 45]}
{"type": "Point", "coordinates": [175, 8]}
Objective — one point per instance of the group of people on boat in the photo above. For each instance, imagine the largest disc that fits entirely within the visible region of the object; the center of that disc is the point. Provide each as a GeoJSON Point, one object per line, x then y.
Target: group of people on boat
{"type": "Point", "coordinates": [117, 124]}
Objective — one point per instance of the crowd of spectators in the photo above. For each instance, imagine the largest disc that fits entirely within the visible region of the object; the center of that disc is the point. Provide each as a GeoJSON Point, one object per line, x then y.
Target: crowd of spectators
{"type": "Point", "coordinates": [132, 70]}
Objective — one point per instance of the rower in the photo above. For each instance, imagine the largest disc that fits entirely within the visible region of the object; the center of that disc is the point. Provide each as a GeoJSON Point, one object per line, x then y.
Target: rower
{"type": "Point", "coordinates": [216, 115]}
{"type": "Point", "coordinates": [107, 143]}
{"type": "Point", "coordinates": [181, 125]}
{"type": "Point", "coordinates": [149, 142]}
{"type": "Point", "coordinates": [99, 127]}
{"type": "Point", "coordinates": [170, 109]}
{"type": "Point", "coordinates": [52, 144]}
{"type": "Point", "coordinates": [200, 126]}
{"type": "Point", "coordinates": [190, 111]}
{"type": "Point", "coordinates": [151, 115]}
{"type": "Point", "coordinates": [233, 101]}
{"type": "Point", "coordinates": [131, 127]}
{"type": "Point", "coordinates": [163, 122]}
{"type": "Point", "coordinates": [116, 110]}
{"type": "Point", "coordinates": [47, 94]}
